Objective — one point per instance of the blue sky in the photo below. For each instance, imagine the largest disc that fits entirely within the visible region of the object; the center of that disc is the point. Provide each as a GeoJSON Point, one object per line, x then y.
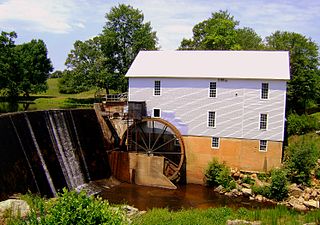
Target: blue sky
{"type": "Point", "coordinates": [61, 22]}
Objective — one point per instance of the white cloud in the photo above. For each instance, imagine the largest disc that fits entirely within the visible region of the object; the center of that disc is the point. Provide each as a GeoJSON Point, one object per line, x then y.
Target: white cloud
{"type": "Point", "coordinates": [53, 16]}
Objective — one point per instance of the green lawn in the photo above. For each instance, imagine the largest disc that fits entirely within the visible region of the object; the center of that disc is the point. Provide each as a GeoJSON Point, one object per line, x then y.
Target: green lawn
{"type": "Point", "coordinates": [52, 99]}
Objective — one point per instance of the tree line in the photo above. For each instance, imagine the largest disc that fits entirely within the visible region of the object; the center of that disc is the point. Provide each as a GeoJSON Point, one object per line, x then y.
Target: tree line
{"type": "Point", "coordinates": [102, 61]}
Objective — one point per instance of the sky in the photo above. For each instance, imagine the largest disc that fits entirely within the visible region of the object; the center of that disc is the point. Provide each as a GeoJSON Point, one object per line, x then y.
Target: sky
{"type": "Point", "coordinates": [59, 23]}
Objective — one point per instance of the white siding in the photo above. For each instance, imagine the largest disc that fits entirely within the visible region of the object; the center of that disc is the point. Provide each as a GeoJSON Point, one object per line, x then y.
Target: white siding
{"type": "Point", "coordinates": [185, 103]}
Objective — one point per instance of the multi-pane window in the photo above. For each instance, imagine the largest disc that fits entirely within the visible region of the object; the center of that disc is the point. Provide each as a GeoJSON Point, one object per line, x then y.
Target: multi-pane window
{"type": "Point", "coordinates": [263, 121]}
{"type": "Point", "coordinates": [157, 87]}
{"type": "Point", "coordinates": [211, 119]}
{"type": "Point", "coordinates": [264, 90]}
{"type": "Point", "coordinates": [263, 145]}
{"type": "Point", "coordinates": [213, 89]}
{"type": "Point", "coordinates": [156, 113]}
{"type": "Point", "coordinates": [215, 142]}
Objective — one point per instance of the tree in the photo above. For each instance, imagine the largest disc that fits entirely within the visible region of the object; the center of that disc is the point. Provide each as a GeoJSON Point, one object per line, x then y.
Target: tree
{"type": "Point", "coordinates": [123, 36]}
{"type": "Point", "coordinates": [8, 63]}
{"type": "Point", "coordinates": [23, 68]}
{"type": "Point", "coordinates": [104, 60]}
{"type": "Point", "coordinates": [87, 67]}
{"type": "Point", "coordinates": [304, 85]}
{"type": "Point", "coordinates": [34, 67]}
{"type": "Point", "coordinates": [220, 32]}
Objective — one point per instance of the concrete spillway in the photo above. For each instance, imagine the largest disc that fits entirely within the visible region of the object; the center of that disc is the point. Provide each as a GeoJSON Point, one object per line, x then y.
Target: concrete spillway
{"type": "Point", "coordinates": [44, 151]}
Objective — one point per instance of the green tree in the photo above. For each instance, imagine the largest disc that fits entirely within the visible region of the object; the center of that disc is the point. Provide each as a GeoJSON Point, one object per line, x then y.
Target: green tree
{"type": "Point", "coordinates": [8, 63]}
{"type": "Point", "coordinates": [23, 68]}
{"type": "Point", "coordinates": [220, 32]}
{"type": "Point", "coordinates": [304, 85]}
{"type": "Point", "coordinates": [87, 68]}
{"type": "Point", "coordinates": [123, 36]}
{"type": "Point", "coordinates": [34, 67]}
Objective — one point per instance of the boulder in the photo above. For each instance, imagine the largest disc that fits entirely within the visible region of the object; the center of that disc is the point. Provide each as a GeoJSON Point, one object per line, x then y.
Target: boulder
{"type": "Point", "coordinates": [14, 207]}
{"type": "Point", "coordinates": [312, 204]}
{"type": "Point", "coordinates": [246, 185]}
{"type": "Point", "coordinates": [220, 189]}
{"type": "Point", "coordinates": [295, 191]}
{"type": "Point", "coordinates": [314, 193]}
{"type": "Point", "coordinates": [306, 196]}
{"type": "Point", "coordinates": [295, 203]}
{"type": "Point", "coordinates": [259, 198]}
{"type": "Point", "coordinates": [246, 191]}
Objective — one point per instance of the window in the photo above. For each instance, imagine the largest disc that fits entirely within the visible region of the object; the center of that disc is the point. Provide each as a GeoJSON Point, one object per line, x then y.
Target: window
{"type": "Point", "coordinates": [264, 90]}
{"type": "Point", "coordinates": [176, 142]}
{"type": "Point", "coordinates": [157, 85]}
{"type": "Point", "coordinates": [213, 90]}
{"type": "Point", "coordinates": [211, 119]}
{"type": "Point", "coordinates": [156, 113]}
{"type": "Point", "coordinates": [263, 145]}
{"type": "Point", "coordinates": [263, 121]}
{"type": "Point", "coordinates": [215, 142]}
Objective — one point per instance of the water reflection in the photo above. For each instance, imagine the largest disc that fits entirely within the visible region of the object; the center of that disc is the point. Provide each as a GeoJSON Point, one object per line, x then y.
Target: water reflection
{"type": "Point", "coordinates": [186, 196]}
{"type": "Point", "coordinates": [14, 106]}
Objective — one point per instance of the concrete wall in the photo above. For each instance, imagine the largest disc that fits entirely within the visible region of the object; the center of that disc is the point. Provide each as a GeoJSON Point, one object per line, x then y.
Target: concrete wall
{"type": "Point", "coordinates": [236, 153]}
{"type": "Point", "coordinates": [185, 104]}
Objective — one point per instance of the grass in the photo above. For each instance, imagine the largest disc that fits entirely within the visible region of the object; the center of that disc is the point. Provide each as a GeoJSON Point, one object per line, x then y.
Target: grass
{"type": "Point", "coordinates": [278, 215]}
{"type": "Point", "coordinates": [51, 99]}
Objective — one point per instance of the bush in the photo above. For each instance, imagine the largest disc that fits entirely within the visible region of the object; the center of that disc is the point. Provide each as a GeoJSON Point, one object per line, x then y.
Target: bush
{"type": "Point", "coordinates": [300, 158]}
{"type": "Point", "coordinates": [317, 173]}
{"type": "Point", "coordinates": [247, 180]}
{"type": "Point", "coordinates": [278, 187]}
{"type": "Point", "coordinates": [73, 208]}
{"type": "Point", "coordinates": [219, 174]}
{"type": "Point", "coordinates": [301, 124]}
{"type": "Point", "coordinates": [261, 190]}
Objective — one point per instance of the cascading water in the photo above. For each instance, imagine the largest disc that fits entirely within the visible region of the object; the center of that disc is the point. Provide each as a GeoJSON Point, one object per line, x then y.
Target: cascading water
{"type": "Point", "coordinates": [64, 149]}
{"type": "Point", "coordinates": [44, 151]}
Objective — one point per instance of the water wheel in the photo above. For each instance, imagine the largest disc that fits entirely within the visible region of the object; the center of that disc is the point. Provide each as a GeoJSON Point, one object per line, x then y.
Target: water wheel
{"type": "Point", "coordinates": [157, 137]}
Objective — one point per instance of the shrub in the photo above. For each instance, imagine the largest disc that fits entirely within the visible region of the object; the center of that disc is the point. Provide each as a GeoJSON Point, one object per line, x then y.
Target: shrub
{"type": "Point", "coordinates": [72, 208]}
{"type": "Point", "coordinates": [247, 180]}
{"type": "Point", "coordinates": [301, 124]}
{"type": "Point", "coordinates": [317, 173]}
{"type": "Point", "coordinates": [262, 190]}
{"type": "Point", "coordinates": [300, 158]}
{"type": "Point", "coordinates": [219, 174]}
{"type": "Point", "coordinates": [278, 187]}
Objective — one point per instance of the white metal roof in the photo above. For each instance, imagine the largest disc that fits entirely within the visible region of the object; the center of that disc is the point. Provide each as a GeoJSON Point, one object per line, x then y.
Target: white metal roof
{"type": "Point", "coordinates": [273, 65]}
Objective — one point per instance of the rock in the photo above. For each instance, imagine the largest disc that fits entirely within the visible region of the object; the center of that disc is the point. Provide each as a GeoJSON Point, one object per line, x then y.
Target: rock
{"type": "Point", "coordinates": [294, 190]}
{"type": "Point", "coordinates": [294, 203]}
{"type": "Point", "coordinates": [308, 190]}
{"type": "Point", "coordinates": [130, 211]}
{"type": "Point", "coordinates": [235, 192]}
{"type": "Point", "coordinates": [306, 196]}
{"type": "Point", "coordinates": [236, 175]}
{"type": "Point", "coordinates": [229, 194]}
{"type": "Point", "coordinates": [14, 206]}
{"type": "Point", "coordinates": [259, 198]}
{"type": "Point", "coordinates": [251, 198]}
{"type": "Point", "coordinates": [314, 193]}
{"type": "Point", "coordinates": [246, 185]}
{"type": "Point", "coordinates": [254, 176]}
{"type": "Point", "coordinates": [312, 204]}
{"type": "Point", "coordinates": [246, 191]}
{"type": "Point", "coordinates": [258, 183]}
{"type": "Point", "coordinates": [242, 222]}
{"type": "Point", "coordinates": [220, 189]}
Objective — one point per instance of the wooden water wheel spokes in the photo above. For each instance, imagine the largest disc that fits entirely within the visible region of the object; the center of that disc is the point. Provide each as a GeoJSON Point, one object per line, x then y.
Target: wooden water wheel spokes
{"type": "Point", "coordinates": [157, 137]}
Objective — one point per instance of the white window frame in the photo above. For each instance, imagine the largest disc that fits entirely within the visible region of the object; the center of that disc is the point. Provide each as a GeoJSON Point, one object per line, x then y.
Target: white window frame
{"type": "Point", "coordinates": [260, 121]}
{"type": "Point", "coordinates": [156, 91]}
{"type": "Point", "coordinates": [218, 142]}
{"type": "Point", "coordinates": [262, 93]}
{"type": "Point", "coordinates": [153, 113]}
{"type": "Point", "coordinates": [214, 119]}
{"type": "Point", "coordinates": [214, 90]}
{"type": "Point", "coordinates": [263, 145]}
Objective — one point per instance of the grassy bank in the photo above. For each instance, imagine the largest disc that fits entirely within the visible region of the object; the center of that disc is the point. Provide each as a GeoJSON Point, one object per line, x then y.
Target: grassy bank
{"type": "Point", "coordinates": [219, 216]}
{"type": "Point", "coordinates": [51, 99]}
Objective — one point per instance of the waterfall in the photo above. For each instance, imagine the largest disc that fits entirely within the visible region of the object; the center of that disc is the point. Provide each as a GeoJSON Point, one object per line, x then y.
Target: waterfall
{"type": "Point", "coordinates": [64, 148]}
{"type": "Point", "coordinates": [25, 154]}
{"type": "Point", "coordinates": [80, 148]}
{"type": "Point", "coordinates": [43, 163]}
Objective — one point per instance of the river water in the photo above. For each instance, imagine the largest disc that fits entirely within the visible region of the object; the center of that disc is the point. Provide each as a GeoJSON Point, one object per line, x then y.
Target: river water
{"type": "Point", "coordinates": [184, 197]}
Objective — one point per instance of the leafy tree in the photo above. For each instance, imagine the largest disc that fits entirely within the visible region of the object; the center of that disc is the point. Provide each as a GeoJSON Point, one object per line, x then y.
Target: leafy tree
{"type": "Point", "coordinates": [220, 32]}
{"type": "Point", "coordinates": [87, 67]}
{"type": "Point", "coordinates": [123, 36]}
{"type": "Point", "coordinates": [56, 74]}
{"type": "Point", "coordinates": [35, 67]}
{"type": "Point", "coordinates": [104, 60]}
{"type": "Point", "coordinates": [304, 85]}
{"type": "Point", "coordinates": [23, 68]}
{"type": "Point", "coordinates": [8, 63]}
